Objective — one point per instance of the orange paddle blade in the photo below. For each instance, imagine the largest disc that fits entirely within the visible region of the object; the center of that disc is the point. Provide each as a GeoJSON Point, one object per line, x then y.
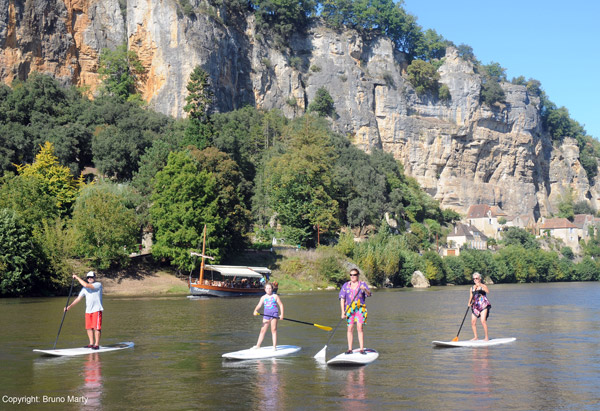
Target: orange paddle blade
{"type": "Point", "coordinates": [455, 338]}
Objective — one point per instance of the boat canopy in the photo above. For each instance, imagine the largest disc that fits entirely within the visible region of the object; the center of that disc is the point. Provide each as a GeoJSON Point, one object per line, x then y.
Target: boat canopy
{"type": "Point", "coordinates": [236, 270]}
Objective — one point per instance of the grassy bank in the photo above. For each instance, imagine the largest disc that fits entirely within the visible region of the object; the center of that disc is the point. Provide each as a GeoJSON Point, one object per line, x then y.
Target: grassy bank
{"type": "Point", "coordinates": [294, 270]}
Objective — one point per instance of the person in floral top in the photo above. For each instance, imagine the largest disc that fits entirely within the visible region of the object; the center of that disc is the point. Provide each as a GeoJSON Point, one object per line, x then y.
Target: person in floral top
{"type": "Point", "coordinates": [352, 304]}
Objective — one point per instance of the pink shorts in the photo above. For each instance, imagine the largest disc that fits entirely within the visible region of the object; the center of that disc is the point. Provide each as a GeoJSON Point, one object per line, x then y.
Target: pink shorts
{"type": "Point", "coordinates": [357, 312]}
{"type": "Point", "coordinates": [93, 321]}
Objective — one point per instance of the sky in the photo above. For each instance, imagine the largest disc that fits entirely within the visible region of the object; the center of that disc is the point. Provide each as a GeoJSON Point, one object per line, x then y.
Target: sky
{"type": "Point", "coordinates": [555, 42]}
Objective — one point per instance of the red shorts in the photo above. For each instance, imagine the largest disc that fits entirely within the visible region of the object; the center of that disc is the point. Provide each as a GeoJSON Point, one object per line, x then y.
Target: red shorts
{"type": "Point", "coordinates": [93, 321]}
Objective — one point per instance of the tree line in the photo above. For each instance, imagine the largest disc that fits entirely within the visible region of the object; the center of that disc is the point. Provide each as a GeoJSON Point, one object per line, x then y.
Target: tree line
{"type": "Point", "coordinates": [233, 172]}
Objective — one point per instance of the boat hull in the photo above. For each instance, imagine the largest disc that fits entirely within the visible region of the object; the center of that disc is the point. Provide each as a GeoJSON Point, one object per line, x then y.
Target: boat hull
{"type": "Point", "coordinates": [215, 291]}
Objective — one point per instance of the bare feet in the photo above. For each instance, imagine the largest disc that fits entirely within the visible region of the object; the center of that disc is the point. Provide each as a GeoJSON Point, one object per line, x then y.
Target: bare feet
{"type": "Point", "coordinates": [485, 339]}
{"type": "Point", "coordinates": [474, 339]}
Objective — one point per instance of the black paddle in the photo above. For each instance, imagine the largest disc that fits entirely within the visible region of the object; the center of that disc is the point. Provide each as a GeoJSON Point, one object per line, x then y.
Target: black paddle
{"type": "Point", "coordinates": [322, 327]}
{"type": "Point", "coordinates": [461, 324]}
{"type": "Point", "coordinates": [64, 313]}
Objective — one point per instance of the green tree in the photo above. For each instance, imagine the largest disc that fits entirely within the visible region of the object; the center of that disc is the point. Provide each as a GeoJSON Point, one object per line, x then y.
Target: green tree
{"type": "Point", "coordinates": [566, 206]}
{"type": "Point", "coordinates": [322, 104]}
{"type": "Point", "coordinates": [466, 53]}
{"type": "Point", "coordinates": [200, 95]}
{"type": "Point", "coordinates": [283, 18]}
{"type": "Point", "coordinates": [29, 197]}
{"type": "Point", "coordinates": [232, 193]}
{"type": "Point", "coordinates": [519, 236]}
{"type": "Point", "coordinates": [20, 257]}
{"type": "Point", "coordinates": [185, 198]}
{"type": "Point", "coordinates": [300, 182]}
{"type": "Point", "coordinates": [104, 228]}
{"type": "Point", "coordinates": [121, 71]}
{"type": "Point", "coordinates": [423, 76]}
{"type": "Point", "coordinates": [55, 180]}
{"type": "Point", "coordinates": [435, 271]}
{"type": "Point", "coordinates": [583, 207]}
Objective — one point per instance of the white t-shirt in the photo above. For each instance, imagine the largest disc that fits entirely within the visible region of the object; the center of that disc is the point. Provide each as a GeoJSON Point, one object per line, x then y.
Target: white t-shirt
{"type": "Point", "coordinates": [93, 298]}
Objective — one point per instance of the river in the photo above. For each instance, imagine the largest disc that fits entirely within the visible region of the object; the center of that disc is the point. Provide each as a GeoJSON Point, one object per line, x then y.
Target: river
{"type": "Point", "coordinates": [176, 362]}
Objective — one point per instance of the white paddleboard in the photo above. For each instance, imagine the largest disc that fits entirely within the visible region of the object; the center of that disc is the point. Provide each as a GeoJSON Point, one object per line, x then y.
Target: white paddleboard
{"type": "Point", "coordinates": [477, 343]}
{"type": "Point", "coordinates": [356, 358]}
{"type": "Point", "coordinates": [82, 351]}
{"type": "Point", "coordinates": [262, 352]}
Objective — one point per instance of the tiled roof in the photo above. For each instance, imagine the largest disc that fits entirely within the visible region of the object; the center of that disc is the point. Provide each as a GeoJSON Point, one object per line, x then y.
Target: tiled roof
{"type": "Point", "coordinates": [581, 219]}
{"type": "Point", "coordinates": [554, 223]}
{"type": "Point", "coordinates": [468, 231]}
{"type": "Point", "coordinates": [478, 211]}
{"type": "Point", "coordinates": [481, 211]}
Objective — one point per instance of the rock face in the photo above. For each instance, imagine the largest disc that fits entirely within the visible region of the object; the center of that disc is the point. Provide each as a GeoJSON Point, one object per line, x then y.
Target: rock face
{"type": "Point", "coordinates": [418, 280]}
{"type": "Point", "coordinates": [461, 151]}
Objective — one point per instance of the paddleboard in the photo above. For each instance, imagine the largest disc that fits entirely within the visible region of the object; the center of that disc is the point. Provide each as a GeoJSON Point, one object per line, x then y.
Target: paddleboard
{"type": "Point", "coordinates": [356, 358]}
{"type": "Point", "coordinates": [473, 344]}
{"type": "Point", "coordinates": [83, 351]}
{"type": "Point", "coordinates": [262, 352]}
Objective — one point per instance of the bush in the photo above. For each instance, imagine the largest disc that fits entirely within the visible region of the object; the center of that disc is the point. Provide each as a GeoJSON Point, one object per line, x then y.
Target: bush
{"type": "Point", "coordinates": [444, 93]}
{"type": "Point", "coordinates": [21, 258]}
{"type": "Point", "coordinates": [322, 104]}
{"type": "Point", "coordinates": [423, 76]}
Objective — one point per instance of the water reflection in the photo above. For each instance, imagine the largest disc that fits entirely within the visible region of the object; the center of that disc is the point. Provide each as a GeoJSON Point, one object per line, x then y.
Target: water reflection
{"type": "Point", "coordinates": [481, 374]}
{"type": "Point", "coordinates": [268, 381]}
{"type": "Point", "coordinates": [92, 381]}
{"type": "Point", "coordinates": [354, 390]}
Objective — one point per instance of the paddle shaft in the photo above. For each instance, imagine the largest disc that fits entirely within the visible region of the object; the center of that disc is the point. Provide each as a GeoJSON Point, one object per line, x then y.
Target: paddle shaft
{"type": "Point", "coordinates": [297, 321]}
{"type": "Point", "coordinates": [64, 313]}
{"type": "Point", "coordinates": [461, 324]}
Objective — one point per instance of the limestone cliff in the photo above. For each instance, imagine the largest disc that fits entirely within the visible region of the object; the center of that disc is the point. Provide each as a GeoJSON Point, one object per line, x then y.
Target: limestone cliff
{"type": "Point", "coordinates": [460, 151]}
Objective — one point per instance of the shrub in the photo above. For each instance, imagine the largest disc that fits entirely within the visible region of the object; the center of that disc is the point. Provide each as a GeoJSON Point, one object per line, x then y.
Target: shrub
{"type": "Point", "coordinates": [423, 76]}
{"type": "Point", "coordinates": [323, 103]}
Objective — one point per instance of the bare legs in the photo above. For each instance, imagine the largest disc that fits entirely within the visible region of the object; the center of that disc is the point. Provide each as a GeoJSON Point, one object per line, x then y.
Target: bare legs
{"type": "Point", "coordinates": [263, 332]}
{"type": "Point", "coordinates": [94, 334]}
{"type": "Point", "coordinates": [361, 335]}
{"type": "Point", "coordinates": [483, 318]}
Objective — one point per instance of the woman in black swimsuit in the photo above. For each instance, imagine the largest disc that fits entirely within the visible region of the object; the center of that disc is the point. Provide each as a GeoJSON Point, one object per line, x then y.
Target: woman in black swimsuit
{"type": "Point", "coordinates": [480, 306]}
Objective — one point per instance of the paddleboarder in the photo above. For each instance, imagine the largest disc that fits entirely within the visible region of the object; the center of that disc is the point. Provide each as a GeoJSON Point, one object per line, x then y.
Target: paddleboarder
{"type": "Point", "coordinates": [92, 291]}
{"type": "Point", "coordinates": [480, 305]}
{"type": "Point", "coordinates": [273, 306]}
{"type": "Point", "coordinates": [352, 304]}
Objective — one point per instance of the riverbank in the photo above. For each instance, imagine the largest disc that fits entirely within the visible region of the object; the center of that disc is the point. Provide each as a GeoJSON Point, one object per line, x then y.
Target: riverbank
{"type": "Point", "coordinates": [294, 270]}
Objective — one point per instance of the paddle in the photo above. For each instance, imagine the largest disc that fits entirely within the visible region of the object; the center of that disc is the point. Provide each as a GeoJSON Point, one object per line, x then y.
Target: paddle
{"type": "Point", "coordinates": [322, 327]}
{"type": "Point", "coordinates": [64, 313]}
{"type": "Point", "coordinates": [321, 354]}
{"type": "Point", "coordinates": [461, 324]}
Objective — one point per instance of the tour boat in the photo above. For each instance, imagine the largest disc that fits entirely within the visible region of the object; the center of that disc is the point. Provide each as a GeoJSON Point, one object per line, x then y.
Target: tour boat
{"type": "Point", "coordinates": [228, 280]}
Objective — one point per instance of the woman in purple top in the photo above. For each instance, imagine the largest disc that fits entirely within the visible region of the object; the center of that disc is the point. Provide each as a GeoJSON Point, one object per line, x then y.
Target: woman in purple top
{"type": "Point", "coordinates": [271, 314]}
{"type": "Point", "coordinates": [352, 303]}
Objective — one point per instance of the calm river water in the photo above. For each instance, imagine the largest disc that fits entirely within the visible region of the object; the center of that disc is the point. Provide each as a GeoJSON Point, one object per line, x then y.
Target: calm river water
{"type": "Point", "coordinates": [176, 362]}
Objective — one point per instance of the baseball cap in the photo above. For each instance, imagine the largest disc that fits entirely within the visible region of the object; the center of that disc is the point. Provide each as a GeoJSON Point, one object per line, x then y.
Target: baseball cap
{"type": "Point", "coordinates": [91, 274]}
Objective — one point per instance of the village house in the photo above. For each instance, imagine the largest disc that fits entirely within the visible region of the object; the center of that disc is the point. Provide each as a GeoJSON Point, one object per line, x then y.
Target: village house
{"type": "Point", "coordinates": [584, 222]}
{"type": "Point", "coordinates": [560, 228]}
{"type": "Point", "coordinates": [524, 221]}
{"type": "Point", "coordinates": [485, 219]}
{"type": "Point", "coordinates": [464, 235]}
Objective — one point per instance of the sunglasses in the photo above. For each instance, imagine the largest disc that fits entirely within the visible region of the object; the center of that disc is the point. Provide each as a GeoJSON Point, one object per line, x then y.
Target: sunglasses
{"type": "Point", "coordinates": [353, 275]}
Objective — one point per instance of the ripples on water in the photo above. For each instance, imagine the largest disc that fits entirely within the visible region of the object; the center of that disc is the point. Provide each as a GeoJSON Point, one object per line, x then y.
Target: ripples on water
{"type": "Point", "coordinates": [177, 364]}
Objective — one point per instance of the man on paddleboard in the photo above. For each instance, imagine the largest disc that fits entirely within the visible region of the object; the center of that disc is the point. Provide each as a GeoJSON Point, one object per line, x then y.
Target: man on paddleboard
{"type": "Point", "coordinates": [352, 303]}
{"type": "Point", "coordinates": [92, 291]}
